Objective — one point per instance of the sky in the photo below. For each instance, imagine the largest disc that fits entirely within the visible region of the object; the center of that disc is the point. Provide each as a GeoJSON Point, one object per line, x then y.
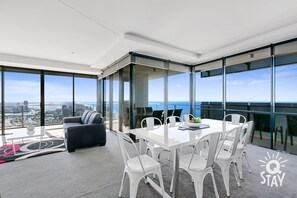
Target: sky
{"type": "Point", "coordinates": [20, 87]}
{"type": "Point", "coordinates": [250, 86]}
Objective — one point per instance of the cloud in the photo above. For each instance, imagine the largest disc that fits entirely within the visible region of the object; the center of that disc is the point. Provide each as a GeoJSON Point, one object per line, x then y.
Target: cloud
{"type": "Point", "coordinates": [235, 83]}
{"type": "Point", "coordinates": [258, 82]}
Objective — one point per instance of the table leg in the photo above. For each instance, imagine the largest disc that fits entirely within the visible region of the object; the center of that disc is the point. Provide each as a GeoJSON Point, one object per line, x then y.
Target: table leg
{"type": "Point", "coordinates": [40, 140]}
{"type": "Point", "coordinates": [13, 148]}
{"type": "Point", "coordinates": [176, 173]}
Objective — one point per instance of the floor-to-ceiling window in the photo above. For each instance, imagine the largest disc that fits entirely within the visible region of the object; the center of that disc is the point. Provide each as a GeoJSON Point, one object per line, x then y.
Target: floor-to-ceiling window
{"type": "Point", "coordinates": [27, 92]}
{"type": "Point", "coordinates": [209, 91]}
{"type": "Point", "coordinates": [286, 97]}
{"type": "Point", "coordinates": [22, 98]}
{"type": "Point", "coordinates": [85, 94]}
{"type": "Point", "coordinates": [58, 98]}
{"type": "Point", "coordinates": [179, 92]}
{"type": "Point", "coordinates": [106, 101]}
{"type": "Point", "coordinates": [149, 93]}
{"type": "Point", "coordinates": [248, 91]}
{"type": "Point", "coordinates": [126, 96]}
{"type": "Point", "coordinates": [115, 101]}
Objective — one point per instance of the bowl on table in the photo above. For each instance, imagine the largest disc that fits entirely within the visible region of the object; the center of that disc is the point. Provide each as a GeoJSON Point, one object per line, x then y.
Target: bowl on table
{"type": "Point", "coordinates": [194, 125]}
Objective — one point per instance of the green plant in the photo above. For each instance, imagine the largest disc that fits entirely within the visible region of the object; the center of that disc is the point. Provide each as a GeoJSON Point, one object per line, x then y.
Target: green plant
{"type": "Point", "coordinates": [196, 120]}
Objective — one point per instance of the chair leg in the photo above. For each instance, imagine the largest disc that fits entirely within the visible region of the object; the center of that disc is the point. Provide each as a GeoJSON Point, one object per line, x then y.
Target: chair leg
{"type": "Point", "coordinates": [252, 136]}
{"type": "Point", "coordinates": [198, 185]}
{"type": "Point", "coordinates": [247, 162]}
{"type": "Point", "coordinates": [171, 185]}
{"type": "Point", "coordinates": [225, 174]}
{"type": "Point", "coordinates": [133, 187]}
{"type": "Point", "coordinates": [281, 132]}
{"type": "Point", "coordinates": [239, 164]}
{"type": "Point", "coordinates": [161, 182]}
{"type": "Point", "coordinates": [275, 136]}
{"type": "Point", "coordinates": [236, 173]}
{"type": "Point", "coordinates": [260, 134]}
{"type": "Point", "coordinates": [214, 184]}
{"type": "Point", "coordinates": [291, 137]}
{"type": "Point", "coordinates": [122, 184]}
{"type": "Point", "coordinates": [154, 156]}
{"type": "Point", "coordinates": [169, 156]}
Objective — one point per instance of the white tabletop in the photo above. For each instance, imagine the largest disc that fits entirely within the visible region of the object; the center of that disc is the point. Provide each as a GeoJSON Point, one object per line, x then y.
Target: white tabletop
{"type": "Point", "coordinates": [24, 133]}
{"type": "Point", "coordinates": [171, 137]}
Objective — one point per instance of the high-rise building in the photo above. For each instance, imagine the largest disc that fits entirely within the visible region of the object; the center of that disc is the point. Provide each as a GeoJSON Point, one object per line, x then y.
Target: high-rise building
{"type": "Point", "coordinates": [65, 111]}
{"type": "Point", "coordinates": [26, 108]}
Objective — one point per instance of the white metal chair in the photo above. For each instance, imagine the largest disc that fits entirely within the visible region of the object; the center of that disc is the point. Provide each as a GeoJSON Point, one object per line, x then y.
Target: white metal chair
{"type": "Point", "coordinates": [137, 167]}
{"type": "Point", "coordinates": [241, 151]}
{"type": "Point", "coordinates": [171, 121]}
{"type": "Point", "coordinates": [150, 125]}
{"type": "Point", "coordinates": [235, 119]}
{"type": "Point", "coordinates": [187, 118]}
{"type": "Point", "coordinates": [226, 157]}
{"type": "Point", "coordinates": [198, 167]}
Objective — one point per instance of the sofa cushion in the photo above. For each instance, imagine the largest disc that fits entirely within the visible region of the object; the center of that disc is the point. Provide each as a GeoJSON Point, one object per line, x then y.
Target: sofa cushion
{"type": "Point", "coordinates": [67, 125]}
{"type": "Point", "coordinates": [83, 117]}
{"type": "Point", "coordinates": [88, 117]}
{"type": "Point", "coordinates": [95, 118]}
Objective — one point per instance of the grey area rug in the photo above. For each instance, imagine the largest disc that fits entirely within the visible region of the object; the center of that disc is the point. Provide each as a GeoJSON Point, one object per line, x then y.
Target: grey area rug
{"type": "Point", "coordinates": [96, 173]}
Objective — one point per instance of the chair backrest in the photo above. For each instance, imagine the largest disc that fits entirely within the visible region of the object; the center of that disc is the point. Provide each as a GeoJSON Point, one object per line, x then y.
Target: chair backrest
{"type": "Point", "coordinates": [187, 117]}
{"type": "Point", "coordinates": [150, 122]}
{"type": "Point", "coordinates": [171, 121]}
{"type": "Point", "coordinates": [248, 127]}
{"type": "Point", "coordinates": [170, 112]}
{"type": "Point", "coordinates": [140, 110]}
{"type": "Point", "coordinates": [158, 114]}
{"type": "Point", "coordinates": [236, 132]}
{"type": "Point", "coordinates": [148, 109]}
{"type": "Point", "coordinates": [292, 125]}
{"type": "Point", "coordinates": [213, 139]}
{"type": "Point", "coordinates": [262, 122]}
{"type": "Point", "coordinates": [121, 139]}
{"type": "Point", "coordinates": [177, 112]}
{"type": "Point", "coordinates": [235, 118]}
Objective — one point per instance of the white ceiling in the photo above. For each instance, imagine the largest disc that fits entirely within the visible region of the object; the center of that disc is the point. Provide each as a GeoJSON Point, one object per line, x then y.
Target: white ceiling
{"type": "Point", "coordinates": [89, 34]}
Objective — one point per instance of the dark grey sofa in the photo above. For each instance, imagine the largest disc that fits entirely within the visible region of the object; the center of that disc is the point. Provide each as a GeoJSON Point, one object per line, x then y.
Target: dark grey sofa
{"type": "Point", "coordinates": [83, 131]}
